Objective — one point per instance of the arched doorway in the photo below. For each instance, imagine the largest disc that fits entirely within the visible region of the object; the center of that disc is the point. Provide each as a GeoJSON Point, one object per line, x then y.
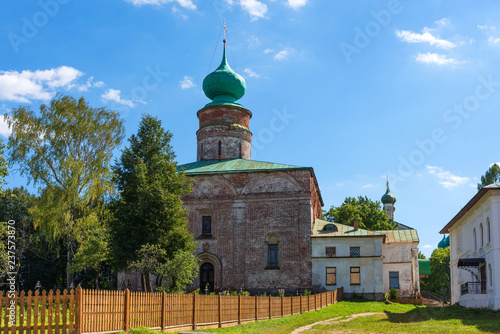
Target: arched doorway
{"type": "Point", "coordinates": [206, 277]}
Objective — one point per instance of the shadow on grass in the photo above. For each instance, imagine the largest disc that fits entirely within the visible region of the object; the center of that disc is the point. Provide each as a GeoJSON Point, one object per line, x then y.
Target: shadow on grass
{"type": "Point", "coordinates": [483, 319]}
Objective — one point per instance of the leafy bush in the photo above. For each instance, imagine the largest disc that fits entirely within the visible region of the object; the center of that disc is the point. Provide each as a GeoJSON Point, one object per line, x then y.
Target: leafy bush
{"type": "Point", "coordinates": [245, 293]}
{"type": "Point", "coordinates": [394, 293]}
{"type": "Point", "coordinates": [306, 292]}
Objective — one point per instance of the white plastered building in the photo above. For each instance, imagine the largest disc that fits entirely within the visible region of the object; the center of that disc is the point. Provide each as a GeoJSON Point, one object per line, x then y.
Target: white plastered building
{"type": "Point", "coordinates": [364, 262]}
{"type": "Point", "coordinates": [475, 251]}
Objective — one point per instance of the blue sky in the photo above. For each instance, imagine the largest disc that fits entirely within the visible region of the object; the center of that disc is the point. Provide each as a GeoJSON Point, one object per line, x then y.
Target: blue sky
{"type": "Point", "coordinates": [356, 89]}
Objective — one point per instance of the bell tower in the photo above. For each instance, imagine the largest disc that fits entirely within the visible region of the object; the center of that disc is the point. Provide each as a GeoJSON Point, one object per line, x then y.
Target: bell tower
{"type": "Point", "coordinates": [224, 132]}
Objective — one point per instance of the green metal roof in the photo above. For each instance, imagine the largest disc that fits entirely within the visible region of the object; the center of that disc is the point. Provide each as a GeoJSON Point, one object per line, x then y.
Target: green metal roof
{"type": "Point", "coordinates": [424, 267]}
{"type": "Point", "coordinates": [349, 231]}
{"type": "Point", "coordinates": [234, 166]}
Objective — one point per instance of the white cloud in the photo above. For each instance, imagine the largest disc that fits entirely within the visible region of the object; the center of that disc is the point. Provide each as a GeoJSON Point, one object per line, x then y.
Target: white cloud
{"type": "Point", "coordinates": [266, 51]}
{"type": "Point", "coordinates": [186, 83]}
{"type": "Point", "coordinates": [251, 73]}
{"type": "Point", "coordinates": [188, 4]}
{"type": "Point", "coordinates": [369, 185]}
{"type": "Point", "coordinates": [426, 246]}
{"type": "Point", "coordinates": [447, 179]}
{"type": "Point", "coordinates": [89, 84]}
{"type": "Point", "coordinates": [39, 85]}
{"type": "Point", "coordinates": [296, 4]}
{"type": "Point", "coordinates": [438, 59]}
{"type": "Point", "coordinates": [425, 37]}
{"type": "Point", "coordinates": [283, 54]}
{"type": "Point", "coordinates": [256, 9]}
{"type": "Point", "coordinates": [493, 40]}
{"type": "Point", "coordinates": [115, 95]}
{"type": "Point", "coordinates": [229, 2]}
{"type": "Point", "coordinates": [486, 27]}
{"type": "Point", "coordinates": [4, 128]}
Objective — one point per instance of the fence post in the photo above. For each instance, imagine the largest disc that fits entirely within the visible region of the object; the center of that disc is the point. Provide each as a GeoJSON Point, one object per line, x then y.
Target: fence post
{"type": "Point", "coordinates": [256, 308]}
{"type": "Point", "coordinates": [291, 305]}
{"type": "Point", "coordinates": [270, 306]}
{"type": "Point", "coordinates": [282, 306]}
{"type": "Point", "coordinates": [301, 304]}
{"type": "Point", "coordinates": [194, 311]}
{"type": "Point", "coordinates": [163, 310]}
{"type": "Point", "coordinates": [220, 311]}
{"type": "Point", "coordinates": [78, 311]}
{"type": "Point", "coordinates": [239, 309]}
{"type": "Point", "coordinates": [126, 315]}
{"type": "Point", "coordinates": [315, 302]}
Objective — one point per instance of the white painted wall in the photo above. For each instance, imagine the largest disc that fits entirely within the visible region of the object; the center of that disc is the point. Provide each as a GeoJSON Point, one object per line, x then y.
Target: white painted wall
{"type": "Point", "coordinates": [376, 261]}
{"type": "Point", "coordinates": [462, 246]}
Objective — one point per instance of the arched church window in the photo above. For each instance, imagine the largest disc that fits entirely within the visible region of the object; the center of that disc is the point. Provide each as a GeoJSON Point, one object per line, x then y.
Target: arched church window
{"type": "Point", "coordinates": [220, 147]}
{"type": "Point", "coordinates": [272, 251]}
{"type": "Point", "coordinates": [475, 240]}
{"type": "Point", "coordinates": [240, 151]}
{"type": "Point", "coordinates": [488, 229]}
{"type": "Point", "coordinates": [481, 237]}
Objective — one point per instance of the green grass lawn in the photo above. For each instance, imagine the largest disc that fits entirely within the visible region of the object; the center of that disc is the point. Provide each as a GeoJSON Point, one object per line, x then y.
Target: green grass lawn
{"type": "Point", "coordinates": [398, 318]}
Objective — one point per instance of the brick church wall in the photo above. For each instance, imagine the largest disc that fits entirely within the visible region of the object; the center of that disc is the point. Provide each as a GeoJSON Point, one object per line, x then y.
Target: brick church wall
{"type": "Point", "coordinates": [246, 208]}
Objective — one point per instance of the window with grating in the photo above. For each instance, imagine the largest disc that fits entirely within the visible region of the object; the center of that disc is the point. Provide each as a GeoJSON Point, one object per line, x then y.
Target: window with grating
{"type": "Point", "coordinates": [331, 275]}
{"type": "Point", "coordinates": [272, 256]}
{"type": "Point", "coordinates": [355, 275]}
{"type": "Point", "coordinates": [206, 228]}
{"type": "Point", "coordinates": [355, 252]}
{"type": "Point", "coordinates": [331, 251]}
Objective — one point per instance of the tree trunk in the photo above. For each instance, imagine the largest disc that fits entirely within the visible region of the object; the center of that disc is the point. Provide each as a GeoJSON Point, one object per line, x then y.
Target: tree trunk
{"type": "Point", "coordinates": [96, 279]}
{"type": "Point", "coordinates": [69, 276]}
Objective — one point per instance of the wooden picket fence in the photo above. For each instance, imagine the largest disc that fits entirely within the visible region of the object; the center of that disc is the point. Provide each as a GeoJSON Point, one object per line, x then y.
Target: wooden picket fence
{"type": "Point", "coordinates": [93, 311]}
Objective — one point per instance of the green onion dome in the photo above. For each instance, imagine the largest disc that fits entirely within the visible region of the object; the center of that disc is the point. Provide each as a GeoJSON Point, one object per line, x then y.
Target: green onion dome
{"type": "Point", "coordinates": [388, 196]}
{"type": "Point", "coordinates": [445, 242]}
{"type": "Point", "coordinates": [224, 86]}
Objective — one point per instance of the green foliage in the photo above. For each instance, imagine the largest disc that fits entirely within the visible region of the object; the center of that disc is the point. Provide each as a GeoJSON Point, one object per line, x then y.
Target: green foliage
{"type": "Point", "coordinates": [421, 256]}
{"type": "Point", "coordinates": [3, 165]}
{"type": "Point", "coordinates": [234, 293]}
{"type": "Point", "coordinates": [66, 150]}
{"type": "Point", "coordinates": [149, 206]}
{"type": "Point", "coordinates": [439, 280]}
{"type": "Point", "coordinates": [369, 214]}
{"type": "Point", "coordinates": [387, 295]}
{"type": "Point", "coordinates": [492, 175]}
{"type": "Point", "coordinates": [394, 294]}
{"type": "Point", "coordinates": [245, 293]}
{"type": "Point", "coordinates": [306, 292]}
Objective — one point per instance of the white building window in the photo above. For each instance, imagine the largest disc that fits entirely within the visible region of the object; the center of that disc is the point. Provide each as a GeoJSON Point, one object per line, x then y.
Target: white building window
{"type": "Point", "coordinates": [355, 276]}
{"type": "Point", "coordinates": [394, 279]}
{"type": "Point", "coordinates": [331, 275]}
{"type": "Point", "coordinates": [481, 237]}
{"type": "Point", "coordinates": [475, 239]}
{"type": "Point", "coordinates": [488, 229]}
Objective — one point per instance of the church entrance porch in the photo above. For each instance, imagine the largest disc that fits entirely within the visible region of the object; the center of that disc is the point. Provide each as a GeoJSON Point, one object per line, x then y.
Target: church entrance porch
{"type": "Point", "coordinates": [206, 277]}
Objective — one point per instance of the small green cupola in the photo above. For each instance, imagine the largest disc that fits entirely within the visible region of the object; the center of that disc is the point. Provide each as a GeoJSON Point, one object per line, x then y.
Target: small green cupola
{"type": "Point", "coordinates": [224, 86]}
{"type": "Point", "coordinates": [388, 197]}
{"type": "Point", "coordinates": [445, 242]}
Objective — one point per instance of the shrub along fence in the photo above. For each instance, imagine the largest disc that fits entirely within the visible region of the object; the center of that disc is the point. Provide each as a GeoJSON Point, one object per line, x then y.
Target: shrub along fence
{"type": "Point", "coordinates": [90, 311]}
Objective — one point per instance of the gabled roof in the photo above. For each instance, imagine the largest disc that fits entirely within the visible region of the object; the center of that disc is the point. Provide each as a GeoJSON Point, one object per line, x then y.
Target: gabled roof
{"type": "Point", "coordinates": [235, 166]}
{"type": "Point", "coordinates": [491, 187]}
{"type": "Point", "coordinates": [342, 230]}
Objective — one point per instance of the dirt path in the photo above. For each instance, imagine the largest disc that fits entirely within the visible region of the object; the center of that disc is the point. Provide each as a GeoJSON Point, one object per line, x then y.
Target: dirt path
{"type": "Point", "coordinates": [334, 321]}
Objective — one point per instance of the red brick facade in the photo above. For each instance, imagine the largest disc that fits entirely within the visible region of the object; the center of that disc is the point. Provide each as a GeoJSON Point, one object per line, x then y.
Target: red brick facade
{"type": "Point", "coordinates": [248, 209]}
